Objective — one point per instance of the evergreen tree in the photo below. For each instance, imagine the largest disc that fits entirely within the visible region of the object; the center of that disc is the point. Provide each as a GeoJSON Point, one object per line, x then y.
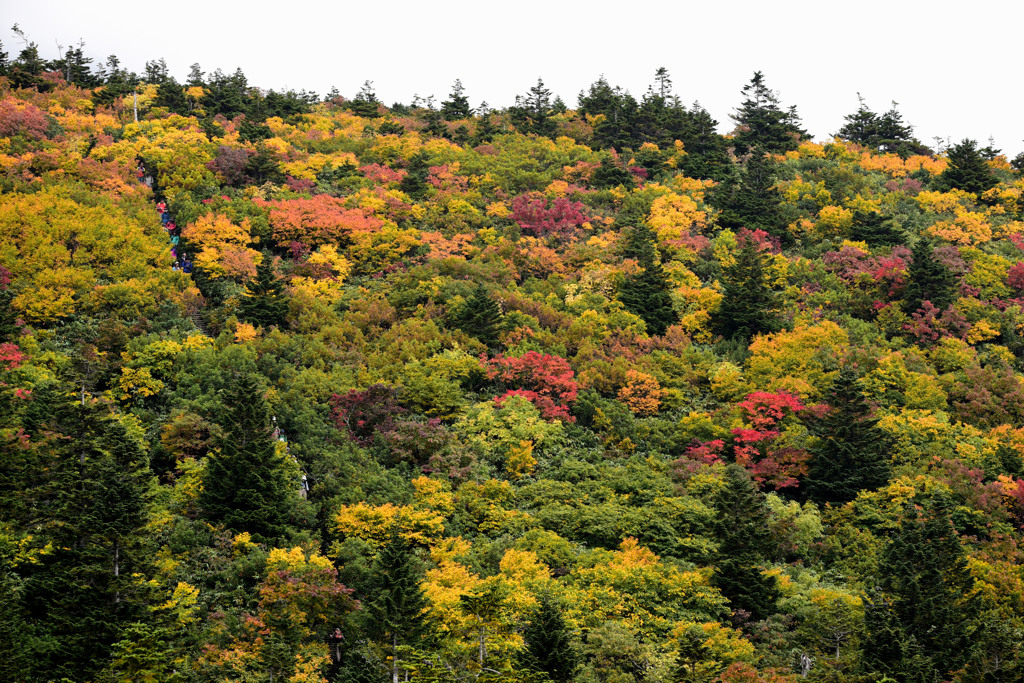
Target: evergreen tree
{"type": "Point", "coordinates": [851, 454]}
{"type": "Point", "coordinates": [457, 105]}
{"type": "Point", "coordinates": [365, 104]}
{"type": "Point", "coordinates": [927, 616]}
{"type": "Point", "coordinates": [619, 111]}
{"type": "Point", "coordinates": [875, 229]}
{"type": "Point", "coordinates": [967, 169]}
{"type": "Point", "coordinates": [741, 528]}
{"type": "Point", "coordinates": [395, 603]}
{"type": "Point", "coordinates": [647, 294]}
{"type": "Point", "coordinates": [414, 183]}
{"type": "Point", "coordinates": [706, 150]}
{"type": "Point", "coordinates": [749, 198]}
{"type": "Point", "coordinates": [247, 485]}
{"type": "Point", "coordinates": [548, 647]}
{"type": "Point", "coordinates": [928, 280]}
{"type": "Point", "coordinates": [761, 121]}
{"type": "Point", "coordinates": [480, 317]}
{"type": "Point", "coordinates": [264, 302]}
{"type": "Point", "coordinates": [749, 304]}
{"type": "Point", "coordinates": [169, 94]}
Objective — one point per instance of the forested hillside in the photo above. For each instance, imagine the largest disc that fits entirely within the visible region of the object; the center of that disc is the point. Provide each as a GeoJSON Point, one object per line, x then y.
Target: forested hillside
{"type": "Point", "coordinates": [307, 390]}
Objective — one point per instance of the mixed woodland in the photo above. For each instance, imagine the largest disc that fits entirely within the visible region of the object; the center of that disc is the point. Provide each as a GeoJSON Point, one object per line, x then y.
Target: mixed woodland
{"type": "Point", "coordinates": [534, 393]}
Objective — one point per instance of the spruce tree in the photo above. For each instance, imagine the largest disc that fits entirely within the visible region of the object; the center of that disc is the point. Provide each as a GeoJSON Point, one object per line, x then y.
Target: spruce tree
{"type": "Point", "coordinates": [927, 280]}
{"type": "Point", "coordinates": [749, 304]}
{"type": "Point", "coordinates": [480, 317]}
{"type": "Point", "coordinates": [927, 614]}
{"type": "Point", "coordinates": [647, 294]}
{"type": "Point", "coordinates": [395, 603]}
{"type": "Point", "coordinates": [457, 105]}
{"type": "Point", "coordinates": [967, 169]}
{"type": "Point", "coordinates": [851, 454]}
{"type": "Point", "coordinates": [548, 646]}
{"type": "Point", "coordinates": [264, 302]}
{"type": "Point", "coordinates": [246, 483]}
{"type": "Point", "coordinates": [761, 121]}
{"type": "Point", "coordinates": [741, 528]}
{"type": "Point", "coordinates": [749, 199]}
{"type": "Point", "coordinates": [875, 229]}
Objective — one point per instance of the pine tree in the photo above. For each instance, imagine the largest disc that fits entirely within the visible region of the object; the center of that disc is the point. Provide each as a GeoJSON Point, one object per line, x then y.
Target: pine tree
{"type": "Point", "coordinates": [744, 545]}
{"type": "Point", "coordinates": [548, 646]}
{"type": "Point", "coordinates": [246, 483]}
{"type": "Point", "coordinates": [264, 302]}
{"type": "Point", "coordinates": [851, 454]}
{"type": "Point", "coordinates": [967, 169]}
{"type": "Point", "coordinates": [927, 280]}
{"type": "Point", "coordinates": [395, 604]}
{"type": "Point", "coordinates": [749, 304]}
{"type": "Point", "coordinates": [647, 294]}
{"type": "Point", "coordinates": [480, 317]}
{"type": "Point", "coordinates": [365, 104]}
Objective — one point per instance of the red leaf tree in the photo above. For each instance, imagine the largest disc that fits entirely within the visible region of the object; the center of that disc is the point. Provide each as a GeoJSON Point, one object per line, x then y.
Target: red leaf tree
{"type": "Point", "coordinates": [546, 381]}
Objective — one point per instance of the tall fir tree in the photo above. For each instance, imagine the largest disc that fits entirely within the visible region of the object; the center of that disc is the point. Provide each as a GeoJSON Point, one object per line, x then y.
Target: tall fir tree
{"type": "Point", "coordinates": [264, 302]}
{"type": "Point", "coordinates": [927, 613]}
{"type": "Point", "coordinates": [851, 454]}
{"type": "Point", "coordinates": [395, 605]}
{"type": "Point", "coordinates": [247, 485]}
{"type": "Point", "coordinates": [967, 170]}
{"type": "Point", "coordinates": [748, 198]}
{"type": "Point", "coordinates": [480, 317]}
{"type": "Point", "coordinates": [741, 528]}
{"type": "Point", "coordinates": [647, 294]}
{"type": "Point", "coordinates": [749, 303]}
{"type": "Point", "coordinates": [547, 643]}
{"type": "Point", "coordinates": [762, 122]}
{"type": "Point", "coordinates": [927, 280]}
{"type": "Point", "coordinates": [457, 105]}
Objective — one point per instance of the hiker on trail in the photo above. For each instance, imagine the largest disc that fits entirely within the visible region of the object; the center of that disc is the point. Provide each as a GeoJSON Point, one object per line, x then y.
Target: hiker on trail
{"type": "Point", "coordinates": [175, 266]}
{"type": "Point", "coordinates": [161, 207]}
{"type": "Point", "coordinates": [170, 226]}
{"type": "Point", "coordinates": [174, 240]}
{"type": "Point", "coordinates": [186, 266]}
{"type": "Point", "coordinates": [165, 218]}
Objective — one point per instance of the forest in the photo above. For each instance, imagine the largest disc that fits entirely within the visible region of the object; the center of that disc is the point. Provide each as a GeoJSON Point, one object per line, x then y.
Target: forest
{"type": "Point", "coordinates": [309, 389]}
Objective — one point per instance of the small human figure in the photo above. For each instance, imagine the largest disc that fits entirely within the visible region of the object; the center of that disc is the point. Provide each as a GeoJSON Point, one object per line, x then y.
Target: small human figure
{"type": "Point", "coordinates": [161, 207]}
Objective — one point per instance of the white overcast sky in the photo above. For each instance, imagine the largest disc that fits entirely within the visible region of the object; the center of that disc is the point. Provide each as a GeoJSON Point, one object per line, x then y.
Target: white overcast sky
{"type": "Point", "coordinates": [954, 72]}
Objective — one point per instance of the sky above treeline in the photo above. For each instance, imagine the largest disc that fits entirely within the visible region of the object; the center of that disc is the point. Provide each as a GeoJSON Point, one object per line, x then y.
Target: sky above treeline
{"type": "Point", "coordinates": [954, 72]}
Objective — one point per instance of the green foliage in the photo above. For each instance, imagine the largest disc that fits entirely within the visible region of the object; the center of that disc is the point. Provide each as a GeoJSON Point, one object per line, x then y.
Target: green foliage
{"type": "Point", "coordinates": [749, 302]}
{"type": "Point", "coordinates": [852, 452]}
{"type": "Point", "coordinates": [247, 484]}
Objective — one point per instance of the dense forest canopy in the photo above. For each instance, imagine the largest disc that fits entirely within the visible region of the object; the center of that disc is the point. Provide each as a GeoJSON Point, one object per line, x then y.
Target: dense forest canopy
{"type": "Point", "coordinates": [315, 389]}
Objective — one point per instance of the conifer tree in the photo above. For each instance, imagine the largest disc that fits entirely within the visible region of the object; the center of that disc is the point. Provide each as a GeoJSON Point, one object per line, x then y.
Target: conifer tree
{"type": "Point", "coordinates": [264, 302]}
{"type": "Point", "coordinates": [480, 317]}
{"type": "Point", "coordinates": [246, 483]}
{"type": "Point", "coordinates": [749, 304]}
{"type": "Point", "coordinates": [761, 121]}
{"type": "Point", "coordinates": [548, 647]}
{"type": "Point", "coordinates": [749, 199]}
{"type": "Point", "coordinates": [647, 294]}
{"type": "Point", "coordinates": [395, 604]}
{"type": "Point", "coordinates": [851, 454]}
{"type": "Point", "coordinates": [457, 105]}
{"type": "Point", "coordinates": [928, 280]}
{"type": "Point", "coordinates": [744, 545]}
{"type": "Point", "coordinates": [875, 229]}
{"type": "Point", "coordinates": [927, 615]}
{"type": "Point", "coordinates": [967, 169]}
